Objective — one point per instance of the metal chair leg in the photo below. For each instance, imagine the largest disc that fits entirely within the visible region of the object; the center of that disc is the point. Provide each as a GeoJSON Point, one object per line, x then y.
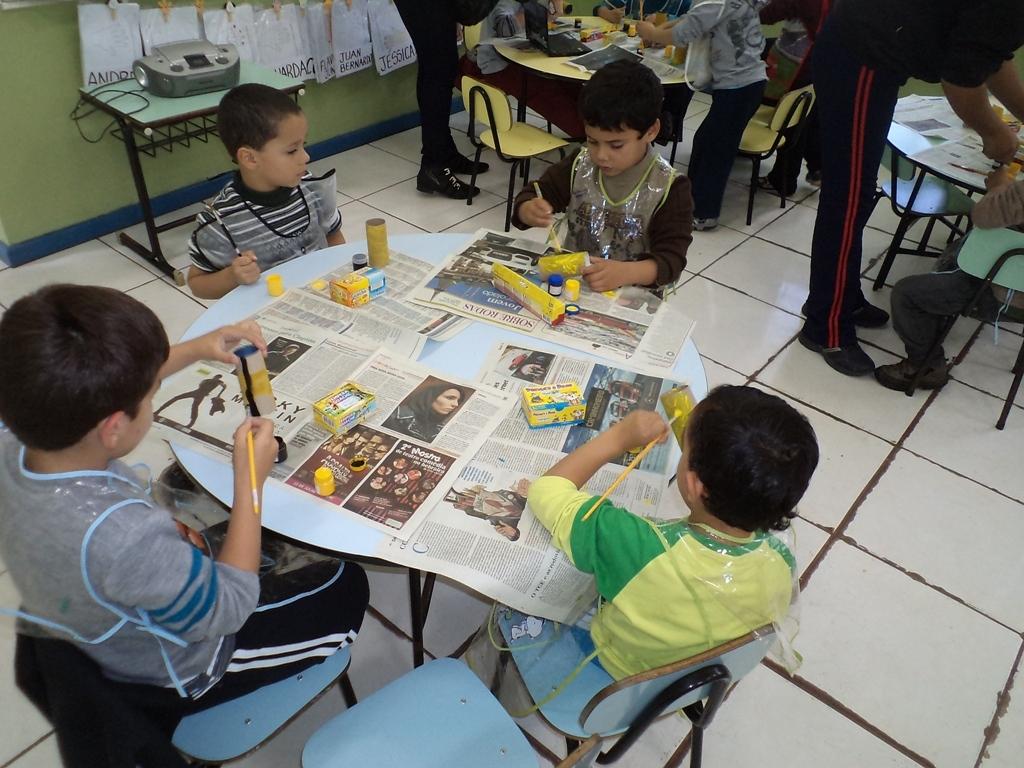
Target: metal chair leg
{"type": "Point", "coordinates": [347, 691]}
{"type": "Point", "coordinates": [754, 171]}
{"type": "Point", "coordinates": [1018, 374]}
{"type": "Point", "coordinates": [472, 180]}
{"type": "Point", "coordinates": [696, 746]}
{"type": "Point", "coordinates": [906, 222]}
{"type": "Point", "coordinates": [511, 190]}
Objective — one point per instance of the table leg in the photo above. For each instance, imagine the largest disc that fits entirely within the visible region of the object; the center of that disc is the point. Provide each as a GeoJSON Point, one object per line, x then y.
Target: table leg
{"type": "Point", "coordinates": [418, 616]}
{"type": "Point", "coordinates": [153, 254]}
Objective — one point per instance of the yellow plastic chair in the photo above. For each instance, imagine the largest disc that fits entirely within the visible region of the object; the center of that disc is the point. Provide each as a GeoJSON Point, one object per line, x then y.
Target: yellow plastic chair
{"type": "Point", "coordinates": [471, 36]}
{"type": "Point", "coordinates": [514, 143]}
{"type": "Point", "coordinates": [763, 136]}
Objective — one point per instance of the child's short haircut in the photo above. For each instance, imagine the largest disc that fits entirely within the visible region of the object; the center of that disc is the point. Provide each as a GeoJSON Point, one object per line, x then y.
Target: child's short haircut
{"type": "Point", "coordinates": [72, 355]}
{"type": "Point", "coordinates": [623, 94]}
{"type": "Point", "coordinates": [249, 114]}
{"type": "Point", "coordinates": [754, 453]}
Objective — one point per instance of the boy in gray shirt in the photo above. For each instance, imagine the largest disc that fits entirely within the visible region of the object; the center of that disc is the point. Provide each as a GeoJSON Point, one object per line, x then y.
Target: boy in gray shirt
{"type": "Point", "coordinates": [95, 560]}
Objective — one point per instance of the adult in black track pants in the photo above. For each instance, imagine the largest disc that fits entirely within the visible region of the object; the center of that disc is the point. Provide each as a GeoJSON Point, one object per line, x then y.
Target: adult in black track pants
{"type": "Point", "coordinates": [431, 25]}
{"type": "Point", "coordinates": [866, 50]}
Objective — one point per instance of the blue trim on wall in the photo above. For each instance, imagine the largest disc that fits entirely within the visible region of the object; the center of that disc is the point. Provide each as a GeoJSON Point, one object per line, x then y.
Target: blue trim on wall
{"type": "Point", "coordinates": [51, 242]}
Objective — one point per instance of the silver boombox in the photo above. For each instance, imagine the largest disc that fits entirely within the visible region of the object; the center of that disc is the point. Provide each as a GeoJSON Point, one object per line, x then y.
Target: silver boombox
{"type": "Point", "coordinates": [187, 68]}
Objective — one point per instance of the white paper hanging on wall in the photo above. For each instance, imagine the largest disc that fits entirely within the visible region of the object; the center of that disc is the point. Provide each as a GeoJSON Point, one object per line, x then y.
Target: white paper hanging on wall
{"type": "Point", "coordinates": [237, 28]}
{"type": "Point", "coordinates": [392, 46]}
{"type": "Point", "coordinates": [283, 45]}
{"type": "Point", "coordinates": [110, 42]}
{"type": "Point", "coordinates": [318, 23]}
{"type": "Point", "coordinates": [181, 23]}
{"type": "Point", "coordinates": [350, 30]}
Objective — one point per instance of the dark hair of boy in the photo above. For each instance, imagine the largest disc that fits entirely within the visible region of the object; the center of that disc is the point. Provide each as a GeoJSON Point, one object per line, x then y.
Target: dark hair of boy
{"type": "Point", "coordinates": [72, 355]}
{"type": "Point", "coordinates": [623, 94]}
{"type": "Point", "coordinates": [249, 114]}
{"type": "Point", "coordinates": [755, 455]}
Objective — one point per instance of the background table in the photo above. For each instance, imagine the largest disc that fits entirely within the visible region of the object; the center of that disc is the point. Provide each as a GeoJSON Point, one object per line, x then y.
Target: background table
{"type": "Point", "coordinates": [148, 123]}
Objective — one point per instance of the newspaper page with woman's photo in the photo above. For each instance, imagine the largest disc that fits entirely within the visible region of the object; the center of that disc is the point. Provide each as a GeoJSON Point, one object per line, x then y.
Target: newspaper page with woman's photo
{"type": "Point", "coordinates": [482, 533]}
{"type": "Point", "coordinates": [389, 470]}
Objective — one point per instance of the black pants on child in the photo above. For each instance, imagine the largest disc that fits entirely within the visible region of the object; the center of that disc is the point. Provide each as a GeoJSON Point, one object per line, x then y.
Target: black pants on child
{"type": "Point", "coordinates": [921, 304]}
{"type": "Point", "coordinates": [431, 26]}
{"type": "Point", "coordinates": [715, 145]}
{"type": "Point", "coordinates": [855, 107]}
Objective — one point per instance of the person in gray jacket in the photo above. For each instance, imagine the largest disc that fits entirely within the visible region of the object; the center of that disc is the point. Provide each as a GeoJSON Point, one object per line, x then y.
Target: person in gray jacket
{"type": "Point", "coordinates": [737, 83]}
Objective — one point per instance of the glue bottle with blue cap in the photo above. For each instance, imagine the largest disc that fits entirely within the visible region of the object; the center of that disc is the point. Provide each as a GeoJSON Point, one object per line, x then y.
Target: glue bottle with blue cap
{"type": "Point", "coordinates": [555, 283]}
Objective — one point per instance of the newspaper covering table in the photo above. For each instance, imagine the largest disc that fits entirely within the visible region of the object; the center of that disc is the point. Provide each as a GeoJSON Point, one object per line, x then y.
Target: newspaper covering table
{"type": "Point", "coordinates": [413, 450]}
{"type": "Point", "coordinates": [482, 532]}
{"type": "Point", "coordinates": [631, 325]}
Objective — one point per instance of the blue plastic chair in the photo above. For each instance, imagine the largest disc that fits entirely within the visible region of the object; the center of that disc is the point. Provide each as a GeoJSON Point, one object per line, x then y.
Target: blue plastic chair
{"type": "Point", "coordinates": [437, 716]}
{"type": "Point", "coordinates": [237, 727]}
{"type": "Point", "coordinates": [594, 704]}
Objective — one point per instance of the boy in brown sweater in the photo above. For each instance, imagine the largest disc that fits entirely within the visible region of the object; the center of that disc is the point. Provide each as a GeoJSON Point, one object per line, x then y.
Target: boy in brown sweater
{"type": "Point", "coordinates": [625, 205]}
{"type": "Point", "coordinates": [920, 303]}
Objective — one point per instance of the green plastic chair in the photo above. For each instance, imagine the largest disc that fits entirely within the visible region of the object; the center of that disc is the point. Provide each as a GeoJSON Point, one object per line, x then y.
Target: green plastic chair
{"type": "Point", "coordinates": [995, 256]}
{"type": "Point", "coordinates": [915, 194]}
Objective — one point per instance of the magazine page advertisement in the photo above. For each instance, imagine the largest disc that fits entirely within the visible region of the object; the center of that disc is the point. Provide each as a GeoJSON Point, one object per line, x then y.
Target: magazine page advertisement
{"type": "Point", "coordinates": [631, 324]}
{"type": "Point", "coordinates": [391, 310]}
{"type": "Point", "coordinates": [483, 534]}
{"type": "Point", "coordinates": [421, 433]}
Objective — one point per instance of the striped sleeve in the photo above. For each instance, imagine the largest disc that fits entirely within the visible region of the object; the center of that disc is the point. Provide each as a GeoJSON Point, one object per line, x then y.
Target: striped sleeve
{"type": "Point", "coordinates": [182, 589]}
{"type": "Point", "coordinates": [613, 544]}
{"type": "Point", "coordinates": [325, 193]}
{"type": "Point", "coordinates": [209, 246]}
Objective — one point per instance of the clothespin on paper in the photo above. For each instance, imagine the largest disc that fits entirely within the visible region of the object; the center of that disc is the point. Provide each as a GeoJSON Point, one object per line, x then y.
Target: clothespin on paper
{"type": "Point", "coordinates": [302, 7]}
{"type": "Point", "coordinates": [199, 6]}
{"type": "Point", "coordinates": [277, 9]}
{"type": "Point", "coordinates": [348, 3]}
{"type": "Point", "coordinates": [229, 8]}
{"type": "Point", "coordinates": [112, 5]}
{"type": "Point", "coordinates": [327, 7]}
{"type": "Point", "coordinates": [165, 9]}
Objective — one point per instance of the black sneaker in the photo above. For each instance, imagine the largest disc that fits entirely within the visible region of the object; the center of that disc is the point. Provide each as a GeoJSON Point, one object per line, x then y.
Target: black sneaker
{"type": "Point", "coordinates": [865, 316]}
{"type": "Point", "coordinates": [850, 360]}
{"type": "Point", "coordinates": [899, 375]}
{"type": "Point", "coordinates": [431, 180]}
{"type": "Point", "coordinates": [462, 164]}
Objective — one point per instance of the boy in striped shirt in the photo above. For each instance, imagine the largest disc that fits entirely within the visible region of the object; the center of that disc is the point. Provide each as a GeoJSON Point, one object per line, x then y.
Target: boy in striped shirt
{"type": "Point", "coordinates": [273, 209]}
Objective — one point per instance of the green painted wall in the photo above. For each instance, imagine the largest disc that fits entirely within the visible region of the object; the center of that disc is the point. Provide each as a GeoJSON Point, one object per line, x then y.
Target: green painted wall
{"type": "Point", "coordinates": [50, 178]}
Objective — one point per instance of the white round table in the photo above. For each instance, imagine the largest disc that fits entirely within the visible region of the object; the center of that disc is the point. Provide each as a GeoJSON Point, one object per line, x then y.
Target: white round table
{"type": "Point", "coordinates": [300, 516]}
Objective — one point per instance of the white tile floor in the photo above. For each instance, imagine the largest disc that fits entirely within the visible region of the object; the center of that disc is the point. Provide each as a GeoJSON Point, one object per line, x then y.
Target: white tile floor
{"type": "Point", "coordinates": [911, 617]}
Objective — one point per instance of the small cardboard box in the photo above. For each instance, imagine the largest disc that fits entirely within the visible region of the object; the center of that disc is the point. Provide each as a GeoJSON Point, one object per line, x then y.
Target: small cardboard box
{"type": "Point", "coordinates": [378, 282]}
{"type": "Point", "coordinates": [553, 404]}
{"type": "Point", "coordinates": [343, 408]}
{"type": "Point", "coordinates": [353, 290]}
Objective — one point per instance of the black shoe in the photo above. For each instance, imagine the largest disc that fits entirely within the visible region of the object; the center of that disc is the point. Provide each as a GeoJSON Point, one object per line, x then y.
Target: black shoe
{"type": "Point", "coordinates": [462, 164]}
{"type": "Point", "coordinates": [431, 180]}
{"type": "Point", "coordinates": [865, 316]}
{"type": "Point", "coordinates": [850, 360]}
{"type": "Point", "coordinates": [899, 375]}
